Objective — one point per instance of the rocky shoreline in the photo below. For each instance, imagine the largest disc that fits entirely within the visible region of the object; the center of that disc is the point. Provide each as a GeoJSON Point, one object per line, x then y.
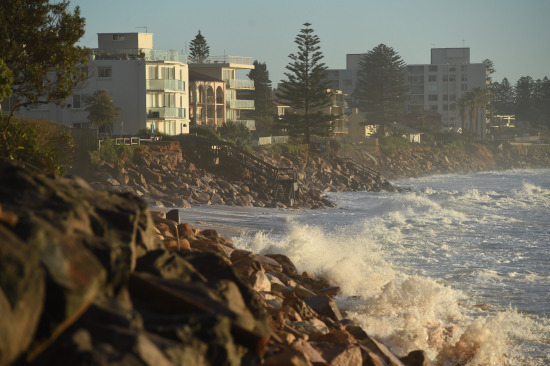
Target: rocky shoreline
{"type": "Point", "coordinates": [95, 278]}
{"type": "Point", "coordinates": [164, 176]}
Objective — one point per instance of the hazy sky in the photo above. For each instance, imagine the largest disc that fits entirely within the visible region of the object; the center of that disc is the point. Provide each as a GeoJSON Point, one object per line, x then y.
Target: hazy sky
{"type": "Point", "coordinates": [514, 34]}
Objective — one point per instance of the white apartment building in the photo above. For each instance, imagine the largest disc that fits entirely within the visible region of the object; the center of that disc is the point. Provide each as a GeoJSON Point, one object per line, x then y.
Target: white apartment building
{"type": "Point", "coordinates": [150, 86]}
{"type": "Point", "coordinates": [226, 68]}
{"type": "Point", "coordinates": [435, 86]}
{"type": "Point", "coordinates": [438, 85]}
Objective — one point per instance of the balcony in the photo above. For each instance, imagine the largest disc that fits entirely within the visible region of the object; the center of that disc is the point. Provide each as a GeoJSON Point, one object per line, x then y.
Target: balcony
{"type": "Point", "coordinates": [165, 112]}
{"type": "Point", "coordinates": [241, 104]}
{"type": "Point", "coordinates": [240, 84]}
{"type": "Point", "coordinates": [165, 84]}
{"type": "Point", "coordinates": [139, 54]}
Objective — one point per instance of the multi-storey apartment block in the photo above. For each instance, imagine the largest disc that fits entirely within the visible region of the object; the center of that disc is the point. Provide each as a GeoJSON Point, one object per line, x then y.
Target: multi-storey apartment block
{"type": "Point", "coordinates": [433, 87]}
{"type": "Point", "coordinates": [150, 86]}
{"type": "Point", "coordinates": [226, 68]}
{"type": "Point", "coordinates": [439, 85]}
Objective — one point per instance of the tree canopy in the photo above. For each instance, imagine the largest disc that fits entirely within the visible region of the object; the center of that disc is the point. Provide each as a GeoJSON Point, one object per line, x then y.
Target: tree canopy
{"type": "Point", "coordinates": [5, 80]}
{"type": "Point", "coordinates": [102, 110]}
{"type": "Point", "coordinates": [198, 49]}
{"type": "Point", "coordinates": [306, 89]}
{"type": "Point", "coordinates": [262, 96]}
{"type": "Point", "coordinates": [381, 89]}
{"type": "Point", "coordinates": [38, 44]}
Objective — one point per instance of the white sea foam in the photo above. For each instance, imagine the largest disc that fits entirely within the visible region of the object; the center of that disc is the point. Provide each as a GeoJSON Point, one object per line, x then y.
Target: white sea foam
{"type": "Point", "coordinates": [436, 268]}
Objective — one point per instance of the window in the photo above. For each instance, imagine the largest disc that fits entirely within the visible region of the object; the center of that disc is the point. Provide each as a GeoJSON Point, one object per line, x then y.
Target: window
{"type": "Point", "coordinates": [445, 77]}
{"type": "Point", "coordinates": [152, 71]}
{"type": "Point", "coordinates": [118, 37]}
{"type": "Point", "coordinates": [416, 70]}
{"type": "Point", "coordinates": [452, 77]}
{"type": "Point", "coordinates": [78, 101]}
{"type": "Point", "coordinates": [452, 107]}
{"type": "Point", "coordinates": [432, 88]}
{"type": "Point", "coordinates": [452, 68]}
{"type": "Point", "coordinates": [432, 78]}
{"type": "Point", "coordinates": [104, 72]}
{"type": "Point", "coordinates": [417, 89]}
{"type": "Point", "coordinates": [433, 108]}
{"type": "Point", "coordinates": [169, 100]}
{"type": "Point", "coordinates": [432, 97]}
{"type": "Point", "coordinates": [416, 79]}
{"type": "Point", "coordinates": [464, 77]}
{"type": "Point", "coordinates": [445, 107]}
{"type": "Point", "coordinates": [168, 72]}
{"type": "Point", "coordinates": [445, 97]}
{"type": "Point", "coordinates": [432, 68]}
{"type": "Point", "coordinates": [452, 97]}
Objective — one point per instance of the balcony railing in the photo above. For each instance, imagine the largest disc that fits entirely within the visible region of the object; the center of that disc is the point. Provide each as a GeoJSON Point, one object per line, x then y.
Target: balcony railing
{"type": "Point", "coordinates": [230, 60]}
{"type": "Point", "coordinates": [165, 112]}
{"type": "Point", "coordinates": [240, 84]}
{"type": "Point", "coordinates": [340, 130]}
{"type": "Point", "coordinates": [165, 84]}
{"type": "Point", "coordinates": [241, 104]}
{"type": "Point", "coordinates": [139, 54]}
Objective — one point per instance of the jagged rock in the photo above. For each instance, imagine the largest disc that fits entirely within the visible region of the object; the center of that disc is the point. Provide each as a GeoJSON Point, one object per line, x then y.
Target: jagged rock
{"type": "Point", "coordinates": [22, 291]}
{"type": "Point", "coordinates": [291, 357]}
{"type": "Point", "coordinates": [288, 267]}
{"type": "Point", "coordinates": [416, 358]}
{"type": "Point", "coordinates": [339, 354]}
{"type": "Point", "coordinates": [324, 305]}
{"type": "Point", "coordinates": [380, 350]}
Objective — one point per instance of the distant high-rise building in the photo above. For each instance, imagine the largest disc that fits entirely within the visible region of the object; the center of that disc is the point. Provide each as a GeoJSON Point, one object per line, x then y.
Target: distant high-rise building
{"type": "Point", "coordinates": [432, 87]}
{"type": "Point", "coordinates": [439, 85]}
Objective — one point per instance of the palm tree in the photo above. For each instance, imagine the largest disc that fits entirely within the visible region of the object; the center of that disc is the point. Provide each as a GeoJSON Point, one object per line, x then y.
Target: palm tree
{"type": "Point", "coordinates": [461, 104]}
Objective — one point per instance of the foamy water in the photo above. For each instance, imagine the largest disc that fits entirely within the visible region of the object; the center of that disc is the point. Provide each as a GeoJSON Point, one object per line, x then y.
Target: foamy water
{"type": "Point", "coordinates": [458, 267]}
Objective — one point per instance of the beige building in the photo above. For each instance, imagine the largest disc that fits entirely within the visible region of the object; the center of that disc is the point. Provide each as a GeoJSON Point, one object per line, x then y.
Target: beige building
{"type": "Point", "coordinates": [150, 86]}
{"type": "Point", "coordinates": [207, 100]}
{"type": "Point", "coordinates": [227, 69]}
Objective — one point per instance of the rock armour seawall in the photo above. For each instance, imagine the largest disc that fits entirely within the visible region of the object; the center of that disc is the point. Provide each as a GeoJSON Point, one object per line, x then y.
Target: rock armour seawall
{"type": "Point", "coordinates": [95, 278]}
{"type": "Point", "coordinates": [162, 176]}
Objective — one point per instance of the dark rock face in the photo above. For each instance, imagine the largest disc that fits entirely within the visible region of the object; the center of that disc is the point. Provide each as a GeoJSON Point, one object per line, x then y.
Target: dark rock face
{"type": "Point", "coordinates": [94, 278]}
{"type": "Point", "coordinates": [84, 277]}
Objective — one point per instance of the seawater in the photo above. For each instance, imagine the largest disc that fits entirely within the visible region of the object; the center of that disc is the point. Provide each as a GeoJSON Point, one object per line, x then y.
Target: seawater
{"type": "Point", "coordinates": [458, 266]}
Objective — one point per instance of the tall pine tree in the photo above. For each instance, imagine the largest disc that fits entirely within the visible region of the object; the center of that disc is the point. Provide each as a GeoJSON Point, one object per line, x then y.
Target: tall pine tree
{"type": "Point", "coordinates": [263, 108]}
{"type": "Point", "coordinates": [306, 90]}
{"type": "Point", "coordinates": [198, 49]}
{"type": "Point", "coordinates": [381, 88]}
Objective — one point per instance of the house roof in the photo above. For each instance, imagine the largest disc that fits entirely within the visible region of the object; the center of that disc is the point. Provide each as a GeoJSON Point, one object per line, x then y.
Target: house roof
{"type": "Point", "coordinates": [278, 104]}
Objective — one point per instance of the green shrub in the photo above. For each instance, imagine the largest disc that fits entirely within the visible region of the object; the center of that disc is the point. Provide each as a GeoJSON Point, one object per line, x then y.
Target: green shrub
{"type": "Point", "coordinates": [44, 144]}
{"type": "Point", "coordinates": [390, 144]}
{"type": "Point", "coordinates": [111, 153]}
{"type": "Point", "coordinates": [205, 132]}
{"type": "Point", "coordinates": [235, 132]}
